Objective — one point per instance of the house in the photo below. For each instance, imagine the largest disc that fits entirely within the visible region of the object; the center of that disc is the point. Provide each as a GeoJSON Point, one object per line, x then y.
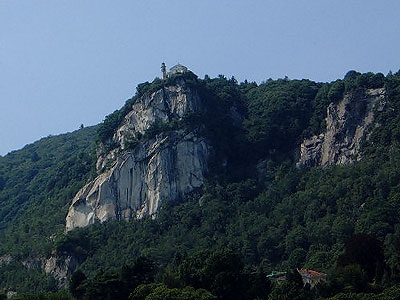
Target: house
{"type": "Point", "coordinates": [312, 277]}
{"type": "Point", "coordinates": [277, 277]}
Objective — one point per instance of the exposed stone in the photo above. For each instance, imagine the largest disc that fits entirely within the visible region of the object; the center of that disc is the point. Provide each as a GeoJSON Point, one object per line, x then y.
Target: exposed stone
{"type": "Point", "coordinates": [5, 259]}
{"type": "Point", "coordinates": [162, 106]}
{"type": "Point", "coordinates": [133, 182]}
{"type": "Point", "coordinates": [346, 128]}
{"type": "Point", "coordinates": [11, 294]}
{"type": "Point", "coordinates": [60, 267]}
{"type": "Point", "coordinates": [311, 151]}
{"type": "Point", "coordinates": [32, 263]}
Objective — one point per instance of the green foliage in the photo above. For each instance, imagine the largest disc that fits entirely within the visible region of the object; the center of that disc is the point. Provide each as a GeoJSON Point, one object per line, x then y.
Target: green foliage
{"type": "Point", "coordinates": [291, 289]}
{"type": "Point", "coordinates": [272, 215]}
{"type": "Point", "coordinates": [391, 293]}
{"type": "Point", "coordinates": [113, 284]}
{"type": "Point", "coordinates": [350, 278]}
{"type": "Point", "coordinates": [326, 206]}
{"type": "Point", "coordinates": [77, 280]}
{"type": "Point", "coordinates": [59, 295]}
{"type": "Point", "coordinates": [162, 292]}
{"type": "Point", "coordinates": [107, 128]}
{"type": "Point", "coordinates": [188, 122]}
{"type": "Point", "coordinates": [279, 113]}
{"type": "Point", "coordinates": [317, 123]}
{"type": "Point", "coordinates": [336, 91]}
{"type": "Point", "coordinates": [222, 272]}
{"type": "Point", "coordinates": [365, 251]}
{"type": "Point", "coordinates": [40, 180]}
{"type": "Point", "coordinates": [17, 277]}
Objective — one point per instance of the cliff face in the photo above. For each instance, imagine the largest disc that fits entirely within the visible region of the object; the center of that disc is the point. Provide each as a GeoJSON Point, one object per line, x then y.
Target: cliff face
{"type": "Point", "coordinates": [141, 172]}
{"type": "Point", "coordinates": [346, 128]}
{"type": "Point", "coordinates": [152, 162]}
{"type": "Point", "coordinates": [60, 267]}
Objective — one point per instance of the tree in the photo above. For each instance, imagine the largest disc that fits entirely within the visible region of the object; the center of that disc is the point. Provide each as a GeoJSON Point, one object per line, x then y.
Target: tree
{"type": "Point", "coordinates": [367, 252]}
{"type": "Point", "coordinates": [105, 285]}
{"type": "Point", "coordinates": [141, 272]}
{"type": "Point", "coordinates": [222, 272]}
{"type": "Point", "coordinates": [297, 258]}
{"type": "Point", "coordinates": [291, 289]}
{"type": "Point", "coordinates": [336, 91]}
{"type": "Point", "coordinates": [159, 291]}
{"type": "Point", "coordinates": [351, 278]}
{"type": "Point", "coordinates": [78, 278]}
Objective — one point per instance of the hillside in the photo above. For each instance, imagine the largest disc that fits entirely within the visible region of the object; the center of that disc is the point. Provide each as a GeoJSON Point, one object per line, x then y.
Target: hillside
{"type": "Point", "coordinates": [296, 174]}
{"type": "Point", "coordinates": [36, 186]}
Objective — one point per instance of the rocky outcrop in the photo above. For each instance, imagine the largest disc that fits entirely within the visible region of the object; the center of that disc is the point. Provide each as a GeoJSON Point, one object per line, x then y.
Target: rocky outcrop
{"type": "Point", "coordinates": [5, 259]}
{"type": "Point", "coordinates": [60, 267]}
{"type": "Point", "coordinates": [346, 128]}
{"type": "Point", "coordinates": [141, 172]}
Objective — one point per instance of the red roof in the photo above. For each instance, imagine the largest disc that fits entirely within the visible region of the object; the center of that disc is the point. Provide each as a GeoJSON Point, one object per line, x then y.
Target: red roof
{"type": "Point", "coordinates": [311, 273]}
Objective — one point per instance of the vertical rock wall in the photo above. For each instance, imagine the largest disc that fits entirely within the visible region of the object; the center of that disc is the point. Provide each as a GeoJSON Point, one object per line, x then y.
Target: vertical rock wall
{"type": "Point", "coordinates": [134, 182]}
{"type": "Point", "coordinates": [346, 128]}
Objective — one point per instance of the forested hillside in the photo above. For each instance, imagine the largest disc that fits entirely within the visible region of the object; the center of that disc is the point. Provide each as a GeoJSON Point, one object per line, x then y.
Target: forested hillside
{"type": "Point", "coordinates": [36, 186]}
{"type": "Point", "coordinates": [257, 213]}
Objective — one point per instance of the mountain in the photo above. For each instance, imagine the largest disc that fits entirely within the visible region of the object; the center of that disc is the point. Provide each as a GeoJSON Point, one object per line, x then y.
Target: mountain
{"type": "Point", "coordinates": [205, 182]}
{"type": "Point", "coordinates": [146, 169]}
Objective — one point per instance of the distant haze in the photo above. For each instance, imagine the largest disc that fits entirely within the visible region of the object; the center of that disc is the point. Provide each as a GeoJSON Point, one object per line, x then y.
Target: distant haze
{"type": "Point", "coordinates": [67, 63]}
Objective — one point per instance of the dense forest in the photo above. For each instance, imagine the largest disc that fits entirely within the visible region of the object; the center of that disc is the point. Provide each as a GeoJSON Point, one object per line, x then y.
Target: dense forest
{"type": "Point", "coordinates": [258, 212]}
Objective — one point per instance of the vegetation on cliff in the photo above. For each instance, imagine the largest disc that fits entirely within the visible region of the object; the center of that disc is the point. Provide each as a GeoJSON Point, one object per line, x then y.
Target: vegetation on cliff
{"type": "Point", "coordinates": [258, 213]}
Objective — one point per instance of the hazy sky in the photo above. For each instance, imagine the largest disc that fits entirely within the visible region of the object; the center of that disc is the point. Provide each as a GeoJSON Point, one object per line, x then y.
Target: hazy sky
{"type": "Point", "coordinates": [64, 63]}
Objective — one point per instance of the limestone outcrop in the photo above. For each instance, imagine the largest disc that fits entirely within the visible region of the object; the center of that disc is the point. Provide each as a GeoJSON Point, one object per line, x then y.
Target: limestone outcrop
{"type": "Point", "coordinates": [142, 171]}
{"type": "Point", "coordinates": [347, 124]}
{"type": "Point", "coordinates": [60, 267]}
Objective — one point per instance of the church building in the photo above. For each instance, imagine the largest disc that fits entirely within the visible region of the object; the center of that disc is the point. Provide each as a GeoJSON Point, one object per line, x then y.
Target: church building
{"type": "Point", "coordinates": [177, 69]}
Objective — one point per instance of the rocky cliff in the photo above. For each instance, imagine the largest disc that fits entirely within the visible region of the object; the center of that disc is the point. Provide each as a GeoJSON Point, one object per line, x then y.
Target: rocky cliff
{"type": "Point", "coordinates": [60, 267]}
{"type": "Point", "coordinates": [151, 159]}
{"type": "Point", "coordinates": [347, 125]}
{"type": "Point", "coordinates": [143, 170]}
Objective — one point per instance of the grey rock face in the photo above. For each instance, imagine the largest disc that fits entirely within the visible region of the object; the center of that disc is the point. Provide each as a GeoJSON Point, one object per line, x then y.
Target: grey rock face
{"type": "Point", "coordinates": [5, 259]}
{"type": "Point", "coordinates": [134, 181]}
{"type": "Point", "coordinates": [60, 267]}
{"type": "Point", "coordinates": [346, 128]}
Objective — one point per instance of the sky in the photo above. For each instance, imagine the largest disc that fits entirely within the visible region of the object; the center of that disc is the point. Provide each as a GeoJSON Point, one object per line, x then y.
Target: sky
{"type": "Point", "coordinates": [64, 63]}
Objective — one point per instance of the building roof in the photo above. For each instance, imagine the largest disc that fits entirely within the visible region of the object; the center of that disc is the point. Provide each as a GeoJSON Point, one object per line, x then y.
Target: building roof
{"type": "Point", "coordinates": [276, 275]}
{"type": "Point", "coordinates": [178, 69]}
{"type": "Point", "coordinates": [311, 273]}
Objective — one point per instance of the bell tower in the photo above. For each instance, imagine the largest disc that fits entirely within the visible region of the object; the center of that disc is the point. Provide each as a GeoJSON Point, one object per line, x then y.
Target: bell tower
{"type": "Point", "coordinates": [164, 71]}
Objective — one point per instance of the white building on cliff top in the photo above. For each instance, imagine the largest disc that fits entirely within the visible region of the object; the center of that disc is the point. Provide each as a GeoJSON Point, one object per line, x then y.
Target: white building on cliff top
{"type": "Point", "coordinates": [177, 69]}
